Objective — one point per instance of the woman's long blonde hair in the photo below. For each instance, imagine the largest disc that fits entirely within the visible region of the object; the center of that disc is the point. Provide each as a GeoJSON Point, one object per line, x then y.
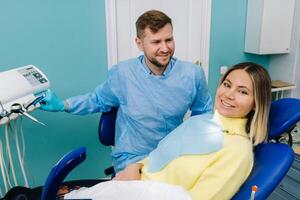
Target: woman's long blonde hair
{"type": "Point", "coordinates": [257, 124]}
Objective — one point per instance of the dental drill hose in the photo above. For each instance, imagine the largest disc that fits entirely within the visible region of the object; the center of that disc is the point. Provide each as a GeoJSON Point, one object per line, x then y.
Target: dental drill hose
{"type": "Point", "coordinates": [9, 155]}
{"type": "Point", "coordinates": [21, 158]}
{"type": "Point", "coordinates": [3, 168]}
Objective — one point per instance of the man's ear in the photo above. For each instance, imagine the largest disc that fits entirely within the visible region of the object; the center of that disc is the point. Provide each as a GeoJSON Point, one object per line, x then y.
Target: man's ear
{"type": "Point", "coordinates": [139, 43]}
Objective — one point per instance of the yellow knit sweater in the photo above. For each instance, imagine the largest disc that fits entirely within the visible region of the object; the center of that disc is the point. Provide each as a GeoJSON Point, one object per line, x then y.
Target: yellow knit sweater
{"type": "Point", "coordinates": [212, 176]}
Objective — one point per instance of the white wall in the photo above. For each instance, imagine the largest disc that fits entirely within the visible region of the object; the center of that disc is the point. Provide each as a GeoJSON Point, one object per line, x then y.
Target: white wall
{"type": "Point", "coordinates": [286, 67]}
{"type": "Point", "coordinates": [296, 92]}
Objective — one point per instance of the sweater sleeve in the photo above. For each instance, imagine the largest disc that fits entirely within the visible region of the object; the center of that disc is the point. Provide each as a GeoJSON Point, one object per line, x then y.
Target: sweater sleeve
{"type": "Point", "coordinates": [101, 99]}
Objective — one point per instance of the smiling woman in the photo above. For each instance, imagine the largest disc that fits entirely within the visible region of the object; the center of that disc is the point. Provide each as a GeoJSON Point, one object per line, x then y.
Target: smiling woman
{"type": "Point", "coordinates": [240, 84]}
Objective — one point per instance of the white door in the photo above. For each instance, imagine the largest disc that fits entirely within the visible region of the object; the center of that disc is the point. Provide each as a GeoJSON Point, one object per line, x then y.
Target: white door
{"type": "Point", "coordinates": [191, 25]}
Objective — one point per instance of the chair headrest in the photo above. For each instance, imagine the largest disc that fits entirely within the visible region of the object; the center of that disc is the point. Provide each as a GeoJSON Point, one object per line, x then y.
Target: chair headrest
{"type": "Point", "coordinates": [284, 114]}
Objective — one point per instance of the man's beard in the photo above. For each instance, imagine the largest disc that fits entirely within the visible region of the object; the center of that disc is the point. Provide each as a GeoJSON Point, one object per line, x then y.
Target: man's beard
{"type": "Point", "coordinates": [157, 63]}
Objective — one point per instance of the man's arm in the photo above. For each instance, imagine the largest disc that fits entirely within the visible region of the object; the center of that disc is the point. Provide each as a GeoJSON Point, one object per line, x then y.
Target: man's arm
{"type": "Point", "coordinates": [101, 99]}
{"type": "Point", "coordinates": [131, 172]}
{"type": "Point", "coordinates": [203, 101]}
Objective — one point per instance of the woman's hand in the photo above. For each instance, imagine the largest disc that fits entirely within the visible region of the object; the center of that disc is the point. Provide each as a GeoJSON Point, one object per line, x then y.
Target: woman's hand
{"type": "Point", "coordinates": [131, 172]}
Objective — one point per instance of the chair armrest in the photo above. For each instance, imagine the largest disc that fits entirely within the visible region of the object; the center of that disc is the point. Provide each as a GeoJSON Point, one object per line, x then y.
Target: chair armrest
{"type": "Point", "coordinates": [58, 173]}
{"type": "Point", "coordinates": [271, 163]}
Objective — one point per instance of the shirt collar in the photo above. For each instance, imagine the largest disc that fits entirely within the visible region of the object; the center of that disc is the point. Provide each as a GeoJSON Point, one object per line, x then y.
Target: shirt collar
{"type": "Point", "coordinates": [232, 126]}
{"type": "Point", "coordinates": [167, 70]}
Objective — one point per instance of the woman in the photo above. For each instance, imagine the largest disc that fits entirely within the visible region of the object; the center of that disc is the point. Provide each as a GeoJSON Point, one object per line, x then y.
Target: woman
{"type": "Point", "coordinates": [241, 107]}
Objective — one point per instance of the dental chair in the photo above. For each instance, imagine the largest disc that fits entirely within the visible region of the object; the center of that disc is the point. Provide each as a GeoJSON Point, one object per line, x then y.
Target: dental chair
{"type": "Point", "coordinates": [271, 163]}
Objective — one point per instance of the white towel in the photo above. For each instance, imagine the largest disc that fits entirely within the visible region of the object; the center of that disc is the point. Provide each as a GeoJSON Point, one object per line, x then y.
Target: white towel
{"type": "Point", "coordinates": [131, 190]}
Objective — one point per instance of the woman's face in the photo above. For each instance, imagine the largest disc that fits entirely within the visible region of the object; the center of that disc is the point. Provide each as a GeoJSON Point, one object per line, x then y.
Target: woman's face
{"type": "Point", "coordinates": [235, 96]}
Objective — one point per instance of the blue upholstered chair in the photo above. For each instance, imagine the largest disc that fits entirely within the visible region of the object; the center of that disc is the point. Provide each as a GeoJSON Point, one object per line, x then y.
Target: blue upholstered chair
{"type": "Point", "coordinates": [272, 160]}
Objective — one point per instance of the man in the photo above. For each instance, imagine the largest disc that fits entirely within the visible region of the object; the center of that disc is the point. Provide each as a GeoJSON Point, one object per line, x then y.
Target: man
{"type": "Point", "coordinates": [152, 91]}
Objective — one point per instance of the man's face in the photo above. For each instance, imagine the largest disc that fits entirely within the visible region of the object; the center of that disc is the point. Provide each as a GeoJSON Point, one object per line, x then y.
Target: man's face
{"type": "Point", "coordinates": [158, 47]}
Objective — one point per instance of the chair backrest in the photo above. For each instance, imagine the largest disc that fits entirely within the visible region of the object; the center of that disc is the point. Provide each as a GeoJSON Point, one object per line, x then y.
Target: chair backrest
{"type": "Point", "coordinates": [106, 128]}
{"type": "Point", "coordinates": [284, 114]}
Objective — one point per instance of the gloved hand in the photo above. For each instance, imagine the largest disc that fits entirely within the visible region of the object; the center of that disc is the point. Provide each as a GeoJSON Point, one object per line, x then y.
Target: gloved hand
{"type": "Point", "coordinates": [52, 103]}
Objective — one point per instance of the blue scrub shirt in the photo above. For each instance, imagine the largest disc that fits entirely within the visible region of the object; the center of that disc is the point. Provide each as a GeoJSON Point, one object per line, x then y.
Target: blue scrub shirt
{"type": "Point", "coordinates": [150, 106]}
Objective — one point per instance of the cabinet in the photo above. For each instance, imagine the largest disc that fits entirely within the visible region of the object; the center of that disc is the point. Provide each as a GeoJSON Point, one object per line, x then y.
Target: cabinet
{"type": "Point", "coordinates": [281, 89]}
{"type": "Point", "coordinates": [286, 67]}
{"type": "Point", "coordinates": [269, 26]}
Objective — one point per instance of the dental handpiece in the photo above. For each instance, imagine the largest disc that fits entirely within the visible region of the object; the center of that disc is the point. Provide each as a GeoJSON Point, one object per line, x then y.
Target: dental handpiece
{"type": "Point", "coordinates": [34, 101]}
{"type": "Point", "coordinates": [3, 112]}
{"type": "Point", "coordinates": [17, 108]}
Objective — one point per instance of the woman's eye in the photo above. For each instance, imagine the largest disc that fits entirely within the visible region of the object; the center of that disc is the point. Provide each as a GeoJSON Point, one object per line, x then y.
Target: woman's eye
{"type": "Point", "coordinates": [243, 92]}
{"type": "Point", "coordinates": [226, 85]}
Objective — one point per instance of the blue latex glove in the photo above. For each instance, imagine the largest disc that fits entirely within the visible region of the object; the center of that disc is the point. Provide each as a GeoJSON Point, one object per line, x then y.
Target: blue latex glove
{"type": "Point", "coordinates": [52, 103]}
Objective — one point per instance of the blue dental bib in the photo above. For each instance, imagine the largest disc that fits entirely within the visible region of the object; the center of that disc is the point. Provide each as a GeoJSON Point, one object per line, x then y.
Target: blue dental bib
{"type": "Point", "coordinates": [200, 134]}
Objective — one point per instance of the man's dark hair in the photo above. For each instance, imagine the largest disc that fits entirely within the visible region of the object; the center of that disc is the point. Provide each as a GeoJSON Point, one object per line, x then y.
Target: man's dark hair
{"type": "Point", "coordinates": [153, 19]}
